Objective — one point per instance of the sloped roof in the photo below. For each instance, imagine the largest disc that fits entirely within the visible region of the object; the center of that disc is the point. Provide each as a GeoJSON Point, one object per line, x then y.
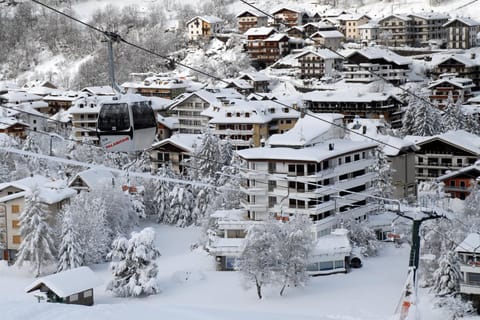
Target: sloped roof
{"type": "Point", "coordinates": [260, 31]}
{"type": "Point", "coordinates": [457, 82]}
{"type": "Point", "coordinates": [307, 131]}
{"type": "Point", "coordinates": [186, 141]}
{"type": "Point", "coordinates": [255, 13]}
{"type": "Point", "coordinates": [372, 53]}
{"type": "Point", "coordinates": [68, 282]}
{"type": "Point", "coordinates": [328, 34]}
{"type": "Point", "coordinates": [398, 16]}
{"type": "Point", "coordinates": [470, 244]}
{"type": "Point", "coordinates": [459, 138]}
{"type": "Point", "coordinates": [346, 96]}
{"type": "Point", "coordinates": [323, 53]}
{"type": "Point", "coordinates": [95, 177]}
{"type": "Point", "coordinates": [430, 15]}
{"type": "Point", "coordinates": [254, 76]}
{"type": "Point", "coordinates": [451, 174]}
{"type": "Point", "coordinates": [467, 21]}
{"type": "Point", "coordinates": [208, 19]}
{"type": "Point", "coordinates": [99, 90]}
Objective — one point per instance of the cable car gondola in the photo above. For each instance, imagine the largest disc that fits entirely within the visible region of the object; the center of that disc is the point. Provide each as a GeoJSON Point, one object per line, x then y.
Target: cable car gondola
{"type": "Point", "coordinates": [126, 123]}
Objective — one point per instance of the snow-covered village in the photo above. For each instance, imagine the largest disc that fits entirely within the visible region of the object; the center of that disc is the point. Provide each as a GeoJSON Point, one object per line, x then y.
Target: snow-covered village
{"type": "Point", "coordinates": [240, 159]}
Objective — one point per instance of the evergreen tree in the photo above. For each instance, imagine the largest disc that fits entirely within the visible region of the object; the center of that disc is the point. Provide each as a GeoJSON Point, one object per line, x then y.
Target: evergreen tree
{"type": "Point", "coordinates": [70, 254]}
{"type": "Point", "coordinates": [133, 267]}
{"type": "Point", "coordinates": [408, 120]}
{"type": "Point", "coordinates": [295, 245]}
{"type": "Point", "coordinates": [38, 243]}
{"type": "Point", "coordinates": [259, 260]}
{"type": "Point", "coordinates": [427, 121]}
{"type": "Point", "coordinates": [382, 185]}
{"type": "Point", "coordinates": [471, 124]}
{"type": "Point", "coordinates": [447, 276]}
{"type": "Point", "coordinates": [362, 236]}
{"type": "Point", "coordinates": [181, 210]}
{"type": "Point", "coordinates": [453, 118]}
{"type": "Point", "coordinates": [162, 193]}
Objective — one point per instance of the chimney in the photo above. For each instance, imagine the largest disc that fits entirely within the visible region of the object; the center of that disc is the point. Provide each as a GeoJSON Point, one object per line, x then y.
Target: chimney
{"type": "Point", "coordinates": [331, 146]}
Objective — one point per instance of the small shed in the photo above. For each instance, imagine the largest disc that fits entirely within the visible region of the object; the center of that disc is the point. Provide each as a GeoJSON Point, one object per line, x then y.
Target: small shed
{"type": "Point", "coordinates": [73, 286]}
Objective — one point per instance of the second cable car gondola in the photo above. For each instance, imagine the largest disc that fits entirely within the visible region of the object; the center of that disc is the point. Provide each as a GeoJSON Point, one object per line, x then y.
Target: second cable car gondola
{"type": "Point", "coordinates": [126, 123]}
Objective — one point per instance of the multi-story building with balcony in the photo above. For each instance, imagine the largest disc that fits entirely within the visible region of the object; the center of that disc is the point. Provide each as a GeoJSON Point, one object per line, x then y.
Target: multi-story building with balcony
{"type": "Point", "coordinates": [312, 170]}
{"type": "Point", "coordinates": [319, 63]}
{"type": "Point", "coordinates": [372, 63]}
{"type": "Point", "coordinates": [469, 254]}
{"type": "Point", "coordinates": [465, 65]}
{"type": "Point", "coordinates": [157, 86]}
{"type": "Point", "coordinates": [395, 30]}
{"type": "Point", "coordinates": [462, 33]}
{"type": "Point", "coordinates": [251, 19]}
{"type": "Point", "coordinates": [256, 45]}
{"type": "Point", "coordinates": [84, 114]}
{"type": "Point", "coordinates": [438, 154]}
{"type": "Point", "coordinates": [246, 123]}
{"type": "Point", "coordinates": [427, 28]}
{"type": "Point", "coordinates": [460, 183]}
{"type": "Point", "coordinates": [450, 86]}
{"type": "Point", "coordinates": [290, 17]}
{"type": "Point", "coordinates": [188, 108]}
{"type": "Point", "coordinates": [328, 39]}
{"type": "Point", "coordinates": [361, 104]}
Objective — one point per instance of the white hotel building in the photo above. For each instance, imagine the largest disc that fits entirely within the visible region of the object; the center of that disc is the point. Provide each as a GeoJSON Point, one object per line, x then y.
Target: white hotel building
{"type": "Point", "coordinates": [311, 169]}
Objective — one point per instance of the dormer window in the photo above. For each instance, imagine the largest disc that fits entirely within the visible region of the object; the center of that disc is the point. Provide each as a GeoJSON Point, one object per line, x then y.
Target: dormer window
{"type": "Point", "coordinates": [81, 105]}
{"type": "Point", "coordinates": [229, 114]}
{"type": "Point", "coordinates": [247, 115]}
{"type": "Point", "coordinates": [237, 114]}
{"type": "Point", "coordinates": [286, 110]}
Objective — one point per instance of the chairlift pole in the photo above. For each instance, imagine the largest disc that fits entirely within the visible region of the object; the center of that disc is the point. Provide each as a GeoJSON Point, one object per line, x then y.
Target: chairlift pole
{"type": "Point", "coordinates": [112, 37]}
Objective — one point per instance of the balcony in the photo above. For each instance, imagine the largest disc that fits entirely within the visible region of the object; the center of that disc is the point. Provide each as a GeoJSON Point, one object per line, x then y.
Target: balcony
{"type": "Point", "coordinates": [470, 288]}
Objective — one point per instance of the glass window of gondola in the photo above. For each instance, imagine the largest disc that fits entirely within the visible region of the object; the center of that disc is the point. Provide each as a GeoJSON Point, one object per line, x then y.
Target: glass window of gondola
{"type": "Point", "coordinates": [114, 116]}
{"type": "Point", "coordinates": [143, 116]}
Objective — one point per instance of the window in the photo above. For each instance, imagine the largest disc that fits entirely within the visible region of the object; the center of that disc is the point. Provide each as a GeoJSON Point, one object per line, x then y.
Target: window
{"type": "Point", "coordinates": [356, 157]}
{"type": "Point", "coordinates": [272, 185]}
{"type": "Point", "coordinates": [15, 208]}
{"type": "Point", "coordinates": [272, 201]}
{"type": "Point", "coordinates": [88, 293]}
{"type": "Point", "coordinates": [73, 297]}
{"type": "Point", "coordinates": [229, 263]}
{"type": "Point", "coordinates": [17, 240]}
{"type": "Point", "coordinates": [15, 224]}
{"type": "Point", "coordinates": [348, 159]}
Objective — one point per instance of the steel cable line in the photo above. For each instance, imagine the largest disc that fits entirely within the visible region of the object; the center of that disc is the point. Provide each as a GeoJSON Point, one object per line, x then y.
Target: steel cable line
{"type": "Point", "coordinates": [118, 38]}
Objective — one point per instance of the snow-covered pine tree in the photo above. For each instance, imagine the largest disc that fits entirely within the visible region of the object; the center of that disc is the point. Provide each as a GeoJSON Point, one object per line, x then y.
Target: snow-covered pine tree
{"type": "Point", "coordinates": [38, 243]}
{"type": "Point", "coordinates": [181, 210]}
{"type": "Point", "coordinates": [471, 210]}
{"type": "Point", "coordinates": [295, 245]}
{"type": "Point", "coordinates": [408, 121]}
{"type": "Point", "coordinates": [382, 185]}
{"type": "Point", "coordinates": [472, 124]}
{"type": "Point", "coordinates": [207, 158]}
{"type": "Point", "coordinates": [447, 276]}
{"type": "Point", "coordinates": [427, 121]}
{"type": "Point", "coordinates": [362, 236]}
{"type": "Point", "coordinates": [133, 265]}
{"type": "Point", "coordinates": [260, 257]}
{"type": "Point", "coordinates": [70, 253]}
{"type": "Point", "coordinates": [452, 117]}
{"type": "Point", "coordinates": [162, 193]}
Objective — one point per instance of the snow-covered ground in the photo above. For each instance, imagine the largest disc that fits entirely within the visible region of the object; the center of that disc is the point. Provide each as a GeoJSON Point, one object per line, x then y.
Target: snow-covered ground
{"type": "Point", "coordinates": [191, 290]}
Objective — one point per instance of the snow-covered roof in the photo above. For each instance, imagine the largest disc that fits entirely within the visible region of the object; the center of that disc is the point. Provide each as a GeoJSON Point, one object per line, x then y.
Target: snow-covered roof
{"type": "Point", "coordinates": [233, 214]}
{"type": "Point", "coordinates": [249, 111]}
{"type": "Point", "coordinates": [61, 116]}
{"type": "Point", "coordinates": [100, 90]}
{"type": "Point", "coordinates": [470, 244]}
{"type": "Point", "coordinates": [317, 153]}
{"type": "Point", "coordinates": [239, 83]}
{"type": "Point", "coordinates": [352, 16]}
{"type": "Point", "coordinates": [307, 131]}
{"type": "Point", "coordinates": [64, 96]}
{"type": "Point", "coordinates": [463, 58]}
{"type": "Point", "coordinates": [370, 25]}
{"type": "Point", "coordinates": [260, 31]}
{"type": "Point", "coordinates": [277, 37]}
{"type": "Point", "coordinates": [20, 97]}
{"type": "Point", "coordinates": [7, 122]}
{"type": "Point", "coordinates": [346, 96]}
{"type": "Point", "coordinates": [378, 130]}
{"type": "Point", "coordinates": [208, 19]}
{"type": "Point", "coordinates": [465, 20]}
{"type": "Point", "coordinates": [455, 81]}
{"type": "Point", "coordinates": [159, 104]}
{"type": "Point", "coordinates": [470, 169]}
{"type": "Point", "coordinates": [459, 138]}
{"type": "Point", "coordinates": [323, 53]}
{"type": "Point", "coordinates": [254, 13]}
{"type": "Point", "coordinates": [94, 177]}
{"type": "Point", "coordinates": [254, 76]}
{"type": "Point", "coordinates": [293, 9]}
{"type": "Point", "coordinates": [336, 243]}
{"type": "Point", "coordinates": [51, 191]}
{"type": "Point", "coordinates": [186, 141]}
{"type": "Point", "coordinates": [328, 34]}
{"type": "Point", "coordinates": [398, 16]}
{"type": "Point", "coordinates": [66, 283]}
{"type": "Point", "coordinates": [373, 53]}
{"type": "Point", "coordinates": [169, 122]}
{"type": "Point", "coordinates": [430, 15]}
